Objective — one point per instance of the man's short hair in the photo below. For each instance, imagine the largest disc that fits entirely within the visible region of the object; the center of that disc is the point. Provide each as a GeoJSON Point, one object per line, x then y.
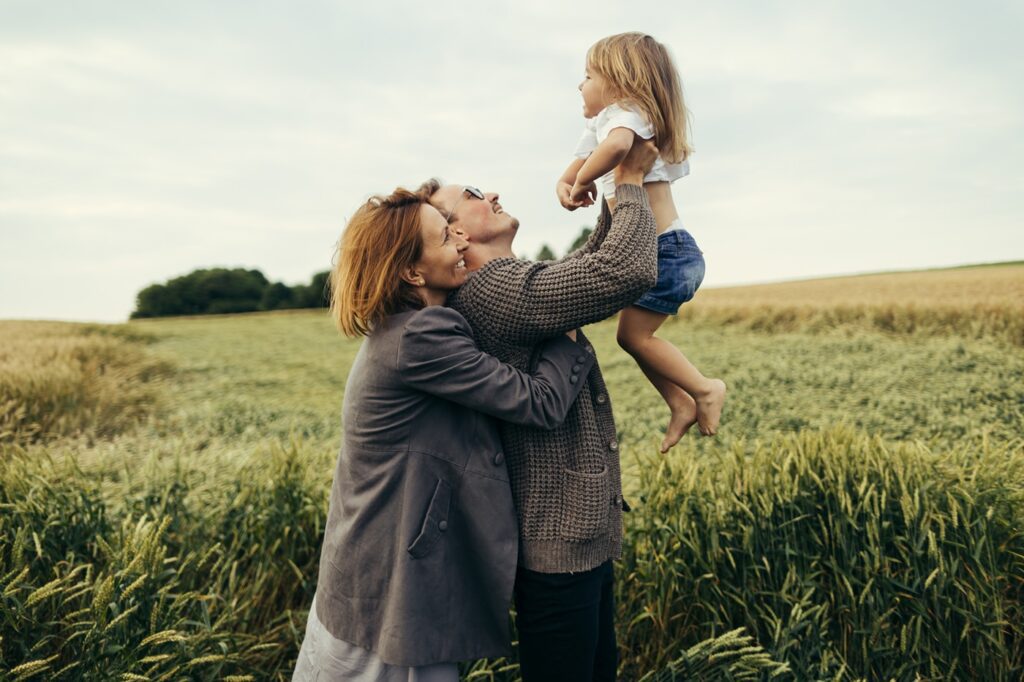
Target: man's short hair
{"type": "Point", "coordinates": [427, 189]}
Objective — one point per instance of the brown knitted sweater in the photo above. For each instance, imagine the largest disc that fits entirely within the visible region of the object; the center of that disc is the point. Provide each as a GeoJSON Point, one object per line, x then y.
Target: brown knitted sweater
{"type": "Point", "coordinates": [566, 482]}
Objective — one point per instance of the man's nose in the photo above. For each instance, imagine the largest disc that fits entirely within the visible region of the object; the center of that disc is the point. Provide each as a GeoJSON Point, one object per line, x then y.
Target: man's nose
{"type": "Point", "coordinates": [491, 196]}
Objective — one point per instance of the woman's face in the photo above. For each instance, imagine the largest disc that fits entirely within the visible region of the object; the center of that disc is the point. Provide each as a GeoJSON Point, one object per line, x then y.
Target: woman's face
{"type": "Point", "coordinates": [441, 266]}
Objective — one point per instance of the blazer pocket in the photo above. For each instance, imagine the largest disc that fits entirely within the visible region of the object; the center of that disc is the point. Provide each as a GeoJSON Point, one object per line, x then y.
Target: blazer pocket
{"type": "Point", "coordinates": [585, 502]}
{"type": "Point", "coordinates": [435, 523]}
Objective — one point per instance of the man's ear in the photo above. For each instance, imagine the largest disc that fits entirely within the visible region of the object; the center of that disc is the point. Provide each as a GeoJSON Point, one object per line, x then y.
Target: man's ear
{"type": "Point", "coordinates": [412, 276]}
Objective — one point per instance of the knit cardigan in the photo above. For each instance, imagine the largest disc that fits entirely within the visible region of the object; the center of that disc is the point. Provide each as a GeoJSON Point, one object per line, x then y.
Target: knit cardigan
{"type": "Point", "coordinates": [566, 483]}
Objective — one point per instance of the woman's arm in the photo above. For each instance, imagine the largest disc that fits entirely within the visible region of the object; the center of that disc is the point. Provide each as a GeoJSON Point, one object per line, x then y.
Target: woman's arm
{"type": "Point", "coordinates": [438, 356]}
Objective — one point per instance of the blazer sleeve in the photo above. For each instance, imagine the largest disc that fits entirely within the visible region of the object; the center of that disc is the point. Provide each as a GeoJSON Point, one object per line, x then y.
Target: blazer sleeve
{"type": "Point", "coordinates": [529, 302]}
{"type": "Point", "coordinates": [437, 355]}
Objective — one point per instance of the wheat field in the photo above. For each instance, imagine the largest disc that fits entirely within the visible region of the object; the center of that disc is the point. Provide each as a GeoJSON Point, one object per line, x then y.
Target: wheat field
{"type": "Point", "coordinates": [163, 487]}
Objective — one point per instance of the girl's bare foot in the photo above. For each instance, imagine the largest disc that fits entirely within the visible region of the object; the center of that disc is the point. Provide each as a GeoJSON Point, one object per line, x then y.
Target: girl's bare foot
{"type": "Point", "coordinates": [684, 415]}
{"type": "Point", "coordinates": [709, 407]}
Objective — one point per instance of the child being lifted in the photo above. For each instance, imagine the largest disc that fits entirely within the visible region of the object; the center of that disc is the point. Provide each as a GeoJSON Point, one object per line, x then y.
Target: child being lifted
{"type": "Point", "coordinates": [631, 87]}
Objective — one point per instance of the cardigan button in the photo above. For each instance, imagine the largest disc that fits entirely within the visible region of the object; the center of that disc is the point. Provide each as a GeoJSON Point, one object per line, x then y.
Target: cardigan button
{"type": "Point", "coordinates": [443, 526]}
{"type": "Point", "coordinates": [613, 445]}
{"type": "Point", "coordinates": [499, 459]}
{"type": "Point", "coordinates": [602, 399]}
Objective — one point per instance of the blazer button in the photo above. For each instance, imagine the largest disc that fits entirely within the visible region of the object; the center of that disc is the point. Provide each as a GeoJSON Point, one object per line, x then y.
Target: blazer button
{"type": "Point", "coordinates": [580, 359]}
{"type": "Point", "coordinates": [443, 526]}
{"type": "Point", "coordinates": [499, 459]}
{"type": "Point", "coordinates": [573, 379]}
{"type": "Point", "coordinates": [576, 369]}
{"type": "Point", "coordinates": [602, 399]}
{"type": "Point", "coordinates": [613, 445]}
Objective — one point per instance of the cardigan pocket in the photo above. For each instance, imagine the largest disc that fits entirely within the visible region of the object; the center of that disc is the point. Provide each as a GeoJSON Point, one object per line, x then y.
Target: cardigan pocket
{"type": "Point", "coordinates": [584, 505]}
{"type": "Point", "coordinates": [435, 523]}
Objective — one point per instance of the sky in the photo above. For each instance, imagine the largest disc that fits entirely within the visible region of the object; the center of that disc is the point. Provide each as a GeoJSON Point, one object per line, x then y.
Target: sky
{"type": "Point", "coordinates": [142, 140]}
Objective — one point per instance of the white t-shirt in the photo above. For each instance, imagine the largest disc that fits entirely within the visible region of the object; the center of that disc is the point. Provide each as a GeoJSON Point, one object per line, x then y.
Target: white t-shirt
{"type": "Point", "coordinates": [614, 116]}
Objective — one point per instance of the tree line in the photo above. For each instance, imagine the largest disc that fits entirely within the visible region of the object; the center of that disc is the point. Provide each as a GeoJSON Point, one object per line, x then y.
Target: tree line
{"type": "Point", "coordinates": [214, 291]}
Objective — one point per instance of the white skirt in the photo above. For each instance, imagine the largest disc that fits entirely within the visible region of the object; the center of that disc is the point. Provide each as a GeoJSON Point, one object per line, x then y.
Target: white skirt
{"type": "Point", "coordinates": [324, 658]}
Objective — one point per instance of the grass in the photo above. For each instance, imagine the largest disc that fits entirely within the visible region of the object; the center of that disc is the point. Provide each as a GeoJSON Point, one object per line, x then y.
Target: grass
{"type": "Point", "coordinates": [59, 379]}
{"type": "Point", "coordinates": [858, 517]}
{"type": "Point", "coordinates": [975, 303]}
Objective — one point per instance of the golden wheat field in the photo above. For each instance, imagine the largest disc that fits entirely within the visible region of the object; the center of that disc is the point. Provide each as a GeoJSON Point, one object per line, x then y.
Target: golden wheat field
{"type": "Point", "coordinates": [967, 288]}
{"type": "Point", "coordinates": [163, 489]}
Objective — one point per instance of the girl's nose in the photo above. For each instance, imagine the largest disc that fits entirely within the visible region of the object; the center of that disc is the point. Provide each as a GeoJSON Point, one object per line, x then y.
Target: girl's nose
{"type": "Point", "coordinates": [461, 234]}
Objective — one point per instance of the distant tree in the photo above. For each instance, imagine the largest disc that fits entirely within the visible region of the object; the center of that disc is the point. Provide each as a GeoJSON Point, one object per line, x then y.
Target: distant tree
{"type": "Point", "coordinates": [319, 291]}
{"type": "Point", "coordinates": [581, 239]}
{"type": "Point", "coordinates": [278, 296]}
{"type": "Point", "coordinates": [220, 290]}
{"type": "Point", "coordinates": [545, 253]}
{"type": "Point", "coordinates": [204, 291]}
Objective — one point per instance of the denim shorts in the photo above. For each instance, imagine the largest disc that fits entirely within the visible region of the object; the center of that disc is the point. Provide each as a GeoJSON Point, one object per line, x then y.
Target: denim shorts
{"type": "Point", "coordinates": [680, 272]}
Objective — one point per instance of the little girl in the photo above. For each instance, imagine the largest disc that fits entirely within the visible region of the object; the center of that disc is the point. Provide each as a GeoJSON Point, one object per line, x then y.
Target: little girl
{"type": "Point", "coordinates": [631, 86]}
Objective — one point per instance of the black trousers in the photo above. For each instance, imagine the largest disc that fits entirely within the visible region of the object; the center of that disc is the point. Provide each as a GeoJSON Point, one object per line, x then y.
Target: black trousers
{"type": "Point", "coordinates": [566, 624]}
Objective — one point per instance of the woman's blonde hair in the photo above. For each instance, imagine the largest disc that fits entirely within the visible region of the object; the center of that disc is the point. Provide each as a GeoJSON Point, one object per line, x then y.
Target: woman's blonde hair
{"type": "Point", "coordinates": [640, 72]}
{"type": "Point", "coordinates": [381, 240]}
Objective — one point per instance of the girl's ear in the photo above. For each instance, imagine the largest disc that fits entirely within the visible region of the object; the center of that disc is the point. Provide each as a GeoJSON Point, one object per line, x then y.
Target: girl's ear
{"type": "Point", "coordinates": [412, 276]}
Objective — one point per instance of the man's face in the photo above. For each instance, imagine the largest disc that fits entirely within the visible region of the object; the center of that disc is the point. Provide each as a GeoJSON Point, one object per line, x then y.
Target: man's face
{"type": "Point", "coordinates": [482, 220]}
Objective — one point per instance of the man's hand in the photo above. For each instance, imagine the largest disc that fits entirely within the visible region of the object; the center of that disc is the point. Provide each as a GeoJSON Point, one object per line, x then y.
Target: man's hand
{"type": "Point", "coordinates": [638, 162]}
{"type": "Point", "coordinates": [583, 195]}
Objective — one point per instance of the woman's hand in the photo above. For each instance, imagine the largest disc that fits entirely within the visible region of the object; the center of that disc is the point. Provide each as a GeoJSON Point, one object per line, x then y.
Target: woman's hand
{"type": "Point", "coordinates": [571, 334]}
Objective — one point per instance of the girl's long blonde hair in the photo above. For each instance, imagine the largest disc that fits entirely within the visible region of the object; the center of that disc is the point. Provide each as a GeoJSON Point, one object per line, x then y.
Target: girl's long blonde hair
{"type": "Point", "coordinates": [640, 72]}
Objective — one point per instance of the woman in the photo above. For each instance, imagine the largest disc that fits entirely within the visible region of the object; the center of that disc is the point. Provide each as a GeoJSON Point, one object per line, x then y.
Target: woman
{"type": "Point", "coordinates": [420, 547]}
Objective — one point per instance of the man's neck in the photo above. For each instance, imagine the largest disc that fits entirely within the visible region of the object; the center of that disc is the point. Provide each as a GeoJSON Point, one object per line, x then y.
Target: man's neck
{"type": "Point", "coordinates": [479, 255]}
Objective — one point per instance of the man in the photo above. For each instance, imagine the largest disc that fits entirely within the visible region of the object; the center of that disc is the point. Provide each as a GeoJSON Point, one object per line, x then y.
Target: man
{"type": "Point", "coordinates": [566, 483]}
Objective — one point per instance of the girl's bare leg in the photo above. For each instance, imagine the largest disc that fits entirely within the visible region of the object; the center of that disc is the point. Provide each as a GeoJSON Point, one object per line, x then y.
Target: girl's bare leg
{"type": "Point", "coordinates": [680, 403]}
{"type": "Point", "coordinates": [636, 336]}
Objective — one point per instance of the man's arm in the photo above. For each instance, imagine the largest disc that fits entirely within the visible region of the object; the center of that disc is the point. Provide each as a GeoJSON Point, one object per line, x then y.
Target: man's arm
{"type": "Point", "coordinates": [529, 302]}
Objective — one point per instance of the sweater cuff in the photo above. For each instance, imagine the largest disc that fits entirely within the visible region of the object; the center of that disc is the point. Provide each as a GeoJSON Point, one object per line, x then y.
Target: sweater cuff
{"type": "Point", "coordinates": [634, 193]}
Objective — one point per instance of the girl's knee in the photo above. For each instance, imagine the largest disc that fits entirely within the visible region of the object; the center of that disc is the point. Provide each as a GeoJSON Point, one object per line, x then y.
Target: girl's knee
{"type": "Point", "coordinates": [629, 340]}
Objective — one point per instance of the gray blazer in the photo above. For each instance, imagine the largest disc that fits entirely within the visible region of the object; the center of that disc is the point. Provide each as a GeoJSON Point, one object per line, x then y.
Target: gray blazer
{"type": "Point", "coordinates": [420, 548]}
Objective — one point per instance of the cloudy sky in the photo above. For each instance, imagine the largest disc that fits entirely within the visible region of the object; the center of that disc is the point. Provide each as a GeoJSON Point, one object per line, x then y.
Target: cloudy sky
{"type": "Point", "coordinates": [141, 140]}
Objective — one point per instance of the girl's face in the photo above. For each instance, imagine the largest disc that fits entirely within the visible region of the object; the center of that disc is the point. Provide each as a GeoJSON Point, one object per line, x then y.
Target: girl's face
{"type": "Point", "coordinates": [594, 89]}
{"type": "Point", "coordinates": [441, 266]}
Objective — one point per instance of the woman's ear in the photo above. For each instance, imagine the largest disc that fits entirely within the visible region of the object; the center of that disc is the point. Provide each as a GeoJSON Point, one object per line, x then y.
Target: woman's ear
{"type": "Point", "coordinates": [412, 276]}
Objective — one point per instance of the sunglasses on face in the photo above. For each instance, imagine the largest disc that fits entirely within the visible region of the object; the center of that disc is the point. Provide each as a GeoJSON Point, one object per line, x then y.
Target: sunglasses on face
{"type": "Point", "coordinates": [471, 191]}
